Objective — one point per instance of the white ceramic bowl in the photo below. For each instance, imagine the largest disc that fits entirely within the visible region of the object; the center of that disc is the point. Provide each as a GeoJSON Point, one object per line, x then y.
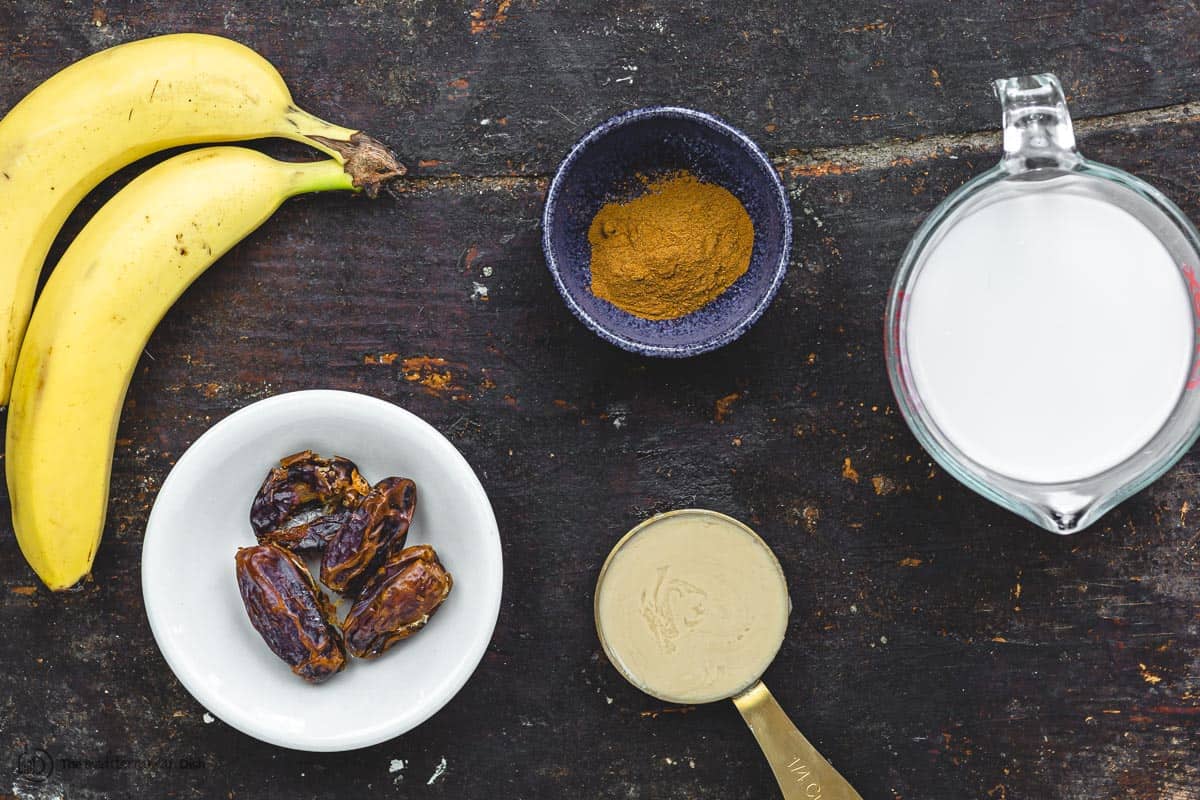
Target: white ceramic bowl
{"type": "Point", "coordinates": [201, 517]}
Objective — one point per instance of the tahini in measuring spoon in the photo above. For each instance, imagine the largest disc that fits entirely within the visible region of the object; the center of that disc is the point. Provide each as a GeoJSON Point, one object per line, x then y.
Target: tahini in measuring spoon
{"type": "Point", "coordinates": [691, 607]}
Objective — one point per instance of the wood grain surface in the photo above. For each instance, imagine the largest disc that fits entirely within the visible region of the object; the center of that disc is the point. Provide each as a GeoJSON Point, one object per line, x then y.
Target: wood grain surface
{"type": "Point", "coordinates": [940, 647]}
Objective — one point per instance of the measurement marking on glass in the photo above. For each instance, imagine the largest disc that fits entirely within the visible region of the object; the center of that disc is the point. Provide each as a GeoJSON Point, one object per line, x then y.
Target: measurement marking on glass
{"type": "Point", "coordinates": [1194, 292]}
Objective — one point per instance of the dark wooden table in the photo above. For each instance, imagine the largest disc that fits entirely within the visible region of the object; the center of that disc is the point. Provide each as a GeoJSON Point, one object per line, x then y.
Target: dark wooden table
{"type": "Point", "coordinates": [940, 648]}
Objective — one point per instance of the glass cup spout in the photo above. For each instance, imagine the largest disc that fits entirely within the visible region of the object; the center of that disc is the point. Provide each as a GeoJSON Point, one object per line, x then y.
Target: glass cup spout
{"type": "Point", "coordinates": [1059, 510]}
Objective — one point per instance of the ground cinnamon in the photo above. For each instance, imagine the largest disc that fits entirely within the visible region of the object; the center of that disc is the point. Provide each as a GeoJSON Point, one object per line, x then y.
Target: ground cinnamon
{"type": "Point", "coordinates": [672, 250]}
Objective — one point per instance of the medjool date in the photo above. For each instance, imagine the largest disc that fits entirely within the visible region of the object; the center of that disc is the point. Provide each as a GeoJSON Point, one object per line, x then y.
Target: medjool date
{"type": "Point", "coordinates": [304, 501]}
{"type": "Point", "coordinates": [397, 601]}
{"type": "Point", "coordinates": [308, 532]}
{"type": "Point", "coordinates": [376, 529]}
{"type": "Point", "coordinates": [292, 615]}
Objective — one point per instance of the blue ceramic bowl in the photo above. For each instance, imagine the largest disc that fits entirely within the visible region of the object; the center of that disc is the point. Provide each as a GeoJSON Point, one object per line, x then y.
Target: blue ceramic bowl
{"type": "Point", "coordinates": [648, 141]}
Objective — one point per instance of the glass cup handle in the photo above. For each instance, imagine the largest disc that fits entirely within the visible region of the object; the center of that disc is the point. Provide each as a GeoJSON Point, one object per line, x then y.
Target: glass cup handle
{"type": "Point", "coordinates": [1037, 125]}
{"type": "Point", "coordinates": [800, 770]}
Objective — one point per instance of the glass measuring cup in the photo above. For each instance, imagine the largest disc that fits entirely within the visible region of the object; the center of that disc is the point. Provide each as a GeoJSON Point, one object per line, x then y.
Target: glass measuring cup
{"type": "Point", "coordinates": [1040, 332]}
{"type": "Point", "coordinates": [691, 607]}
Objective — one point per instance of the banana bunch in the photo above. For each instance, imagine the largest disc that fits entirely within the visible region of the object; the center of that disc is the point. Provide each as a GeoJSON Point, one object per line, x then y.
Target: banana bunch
{"type": "Point", "coordinates": [65, 377]}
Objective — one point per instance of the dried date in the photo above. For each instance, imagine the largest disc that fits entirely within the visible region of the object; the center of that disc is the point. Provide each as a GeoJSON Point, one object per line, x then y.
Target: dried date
{"type": "Point", "coordinates": [310, 531]}
{"type": "Point", "coordinates": [292, 615]}
{"type": "Point", "coordinates": [304, 501]}
{"type": "Point", "coordinates": [397, 601]}
{"type": "Point", "coordinates": [376, 529]}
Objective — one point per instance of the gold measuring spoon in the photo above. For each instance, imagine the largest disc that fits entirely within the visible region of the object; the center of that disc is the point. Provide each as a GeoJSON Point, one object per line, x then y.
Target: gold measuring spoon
{"type": "Point", "coordinates": [691, 607]}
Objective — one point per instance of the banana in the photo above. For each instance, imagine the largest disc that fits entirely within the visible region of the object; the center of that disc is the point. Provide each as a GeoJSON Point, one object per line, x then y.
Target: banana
{"type": "Point", "coordinates": [113, 285]}
{"type": "Point", "coordinates": [119, 105]}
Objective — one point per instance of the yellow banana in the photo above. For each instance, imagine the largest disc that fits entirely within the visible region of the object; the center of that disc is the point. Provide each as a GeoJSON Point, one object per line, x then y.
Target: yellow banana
{"type": "Point", "coordinates": [103, 300]}
{"type": "Point", "coordinates": [119, 105]}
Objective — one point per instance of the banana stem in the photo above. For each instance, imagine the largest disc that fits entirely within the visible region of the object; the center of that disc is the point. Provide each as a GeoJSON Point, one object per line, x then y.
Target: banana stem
{"type": "Point", "coordinates": [368, 161]}
{"type": "Point", "coordinates": [326, 175]}
{"type": "Point", "coordinates": [307, 126]}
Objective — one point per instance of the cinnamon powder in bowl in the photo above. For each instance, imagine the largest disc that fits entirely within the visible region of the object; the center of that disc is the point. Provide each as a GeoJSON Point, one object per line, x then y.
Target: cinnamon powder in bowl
{"type": "Point", "coordinates": [647, 282]}
{"type": "Point", "coordinates": [672, 250]}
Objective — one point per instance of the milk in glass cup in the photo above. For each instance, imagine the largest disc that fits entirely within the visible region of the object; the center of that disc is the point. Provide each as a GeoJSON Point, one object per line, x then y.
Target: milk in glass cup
{"type": "Point", "coordinates": [1041, 328]}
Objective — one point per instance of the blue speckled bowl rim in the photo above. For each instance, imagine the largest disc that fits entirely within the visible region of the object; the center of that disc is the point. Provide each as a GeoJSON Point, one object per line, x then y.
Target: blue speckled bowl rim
{"type": "Point", "coordinates": [597, 326]}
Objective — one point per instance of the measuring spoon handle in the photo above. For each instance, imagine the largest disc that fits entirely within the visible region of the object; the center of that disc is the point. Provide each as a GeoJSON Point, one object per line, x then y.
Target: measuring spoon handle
{"type": "Point", "coordinates": [801, 771]}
